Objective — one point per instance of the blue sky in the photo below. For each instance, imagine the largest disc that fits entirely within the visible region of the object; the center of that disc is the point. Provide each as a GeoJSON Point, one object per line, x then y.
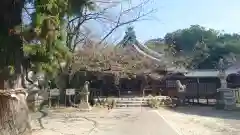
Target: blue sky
{"type": "Point", "coordinates": [170, 15]}
{"type": "Point", "coordinates": [176, 14]}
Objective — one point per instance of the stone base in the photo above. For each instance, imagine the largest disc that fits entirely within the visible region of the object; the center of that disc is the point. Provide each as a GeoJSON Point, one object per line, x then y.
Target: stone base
{"type": "Point", "coordinates": [223, 106]}
{"type": "Point", "coordinates": [226, 99]}
{"type": "Point", "coordinates": [85, 106]}
{"type": "Point", "coordinates": [220, 106]}
{"type": "Point", "coordinates": [230, 107]}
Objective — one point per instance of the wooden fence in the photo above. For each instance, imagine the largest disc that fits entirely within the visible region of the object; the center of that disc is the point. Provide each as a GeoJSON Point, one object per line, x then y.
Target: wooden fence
{"type": "Point", "coordinates": [201, 90]}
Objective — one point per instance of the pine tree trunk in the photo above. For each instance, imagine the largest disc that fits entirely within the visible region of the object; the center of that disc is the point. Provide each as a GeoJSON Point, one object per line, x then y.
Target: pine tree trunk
{"type": "Point", "coordinates": [14, 117]}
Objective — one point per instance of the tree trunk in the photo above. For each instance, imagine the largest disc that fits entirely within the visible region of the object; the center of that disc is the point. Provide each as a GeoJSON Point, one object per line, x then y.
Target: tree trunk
{"type": "Point", "coordinates": [14, 117]}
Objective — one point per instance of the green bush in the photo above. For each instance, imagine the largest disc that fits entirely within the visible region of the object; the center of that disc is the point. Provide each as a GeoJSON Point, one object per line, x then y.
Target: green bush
{"type": "Point", "coordinates": [156, 103]}
{"type": "Point", "coordinates": [97, 104]}
{"type": "Point", "coordinates": [109, 102]}
{"type": "Point", "coordinates": [167, 102]}
{"type": "Point", "coordinates": [238, 100]}
{"type": "Point", "coordinates": [237, 96]}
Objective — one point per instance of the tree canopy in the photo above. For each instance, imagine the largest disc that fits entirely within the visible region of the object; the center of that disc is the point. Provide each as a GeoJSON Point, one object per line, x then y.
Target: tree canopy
{"type": "Point", "coordinates": [202, 47]}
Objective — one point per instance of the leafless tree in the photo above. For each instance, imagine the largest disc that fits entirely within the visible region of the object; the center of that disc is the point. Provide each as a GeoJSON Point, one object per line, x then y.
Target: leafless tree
{"type": "Point", "coordinates": [78, 33]}
{"type": "Point", "coordinates": [111, 15]}
{"type": "Point", "coordinates": [108, 58]}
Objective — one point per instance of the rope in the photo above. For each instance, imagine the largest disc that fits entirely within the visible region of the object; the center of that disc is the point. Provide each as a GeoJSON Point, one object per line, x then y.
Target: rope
{"type": "Point", "coordinates": [13, 93]}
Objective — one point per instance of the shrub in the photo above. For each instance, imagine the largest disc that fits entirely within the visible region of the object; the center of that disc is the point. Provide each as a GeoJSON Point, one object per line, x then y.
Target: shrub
{"type": "Point", "coordinates": [167, 102]}
{"type": "Point", "coordinates": [97, 104]}
{"type": "Point", "coordinates": [238, 99]}
{"type": "Point", "coordinates": [108, 102]}
{"type": "Point", "coordinates": [156, 102]}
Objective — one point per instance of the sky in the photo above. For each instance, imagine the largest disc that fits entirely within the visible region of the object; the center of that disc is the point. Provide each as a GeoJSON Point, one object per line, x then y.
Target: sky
{"type": "Point", "coordinates": [171, 15]}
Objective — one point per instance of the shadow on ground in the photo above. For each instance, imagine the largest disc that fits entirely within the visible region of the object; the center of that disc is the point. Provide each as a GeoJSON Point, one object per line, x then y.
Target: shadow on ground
{"type": "Point", "coordinates": [208, 112]}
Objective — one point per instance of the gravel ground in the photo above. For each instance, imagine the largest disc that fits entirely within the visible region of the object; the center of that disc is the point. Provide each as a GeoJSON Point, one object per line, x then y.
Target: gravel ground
{"type": "Point", "coordinates": [202, 121]}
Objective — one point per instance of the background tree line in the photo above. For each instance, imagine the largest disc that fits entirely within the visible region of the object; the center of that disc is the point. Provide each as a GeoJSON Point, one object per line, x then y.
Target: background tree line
{"type": "Point", "coordinates": [201, 48]}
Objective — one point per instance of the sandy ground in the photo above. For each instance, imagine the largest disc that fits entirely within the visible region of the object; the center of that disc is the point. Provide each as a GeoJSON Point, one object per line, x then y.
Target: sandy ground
{"type": "Point", "coordinates": [124, 121]}
{"type": "Point", "coordinates": [202, 121]}
{"type": "Point", "coordinates": [66, 121]}
{"type": "Point", "coordinates": [138, 121]}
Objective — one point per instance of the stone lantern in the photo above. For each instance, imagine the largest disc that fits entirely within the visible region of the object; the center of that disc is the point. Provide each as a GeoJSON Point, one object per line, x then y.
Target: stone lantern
{"type": "Point", "coordinates": [84, 105]}
{"type": "Point", "coordinates": [226, 96]}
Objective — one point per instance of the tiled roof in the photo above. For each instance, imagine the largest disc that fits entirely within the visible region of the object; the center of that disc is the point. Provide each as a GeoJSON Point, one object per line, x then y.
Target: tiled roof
{"type": "Point", "coordinates": [206, 73]}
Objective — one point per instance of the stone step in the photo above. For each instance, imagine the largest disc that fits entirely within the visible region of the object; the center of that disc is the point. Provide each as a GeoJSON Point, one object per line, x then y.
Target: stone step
{"type": "Point", "coordinates": [131, 105]}
{"type": "Point", "coordinates": [134, 98]}
{"type": "Point", "coordinates": [128, 101]}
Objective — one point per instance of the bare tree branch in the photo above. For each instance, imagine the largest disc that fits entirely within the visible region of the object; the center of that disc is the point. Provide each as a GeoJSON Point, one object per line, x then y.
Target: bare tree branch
{"type": "Point", "coordinates": [140, 16]}
{"type": "Point", "coordinates": [119, 24]}
{"type": "Point", "coordinates": [74, 25]}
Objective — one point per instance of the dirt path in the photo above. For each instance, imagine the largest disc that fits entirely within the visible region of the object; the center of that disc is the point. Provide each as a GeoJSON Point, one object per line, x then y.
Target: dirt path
{"type": "Point", "coordinates": [129, 121]}
{"type": "Point", "coordinates": [66, 122]}
{"type": "Point", "coordinates": [134, 121]}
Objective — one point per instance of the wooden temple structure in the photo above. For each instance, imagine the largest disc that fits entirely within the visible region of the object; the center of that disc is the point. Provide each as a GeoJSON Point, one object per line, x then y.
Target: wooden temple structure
{"type": "Point", "coordinates": [199, 83]}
